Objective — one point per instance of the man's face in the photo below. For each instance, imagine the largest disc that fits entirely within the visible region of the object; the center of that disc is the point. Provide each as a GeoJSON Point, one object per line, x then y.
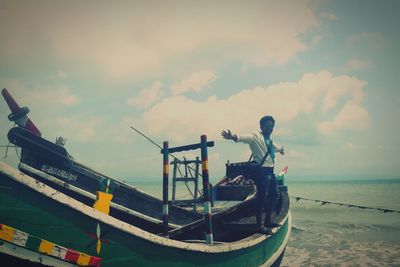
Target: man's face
{"type": "Point", "coordinates": [267, 127]}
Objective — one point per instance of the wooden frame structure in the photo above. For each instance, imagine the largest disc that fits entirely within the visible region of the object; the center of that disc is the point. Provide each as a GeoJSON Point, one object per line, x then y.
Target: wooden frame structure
{"type": "Point", "coordinates": [203, 145]}
{"type": "Point", "coordinates": [189, 174]}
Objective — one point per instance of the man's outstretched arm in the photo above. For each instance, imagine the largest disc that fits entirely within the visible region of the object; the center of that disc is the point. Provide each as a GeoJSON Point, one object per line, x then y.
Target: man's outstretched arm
{"type": "Point", "coordinates": [279, 149]}
{"type": "Point", "coordinates": [228, 135]}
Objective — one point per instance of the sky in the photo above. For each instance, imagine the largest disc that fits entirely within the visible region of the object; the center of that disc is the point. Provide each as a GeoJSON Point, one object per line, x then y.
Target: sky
{"type": "Point", "coordinates": [328, 71]}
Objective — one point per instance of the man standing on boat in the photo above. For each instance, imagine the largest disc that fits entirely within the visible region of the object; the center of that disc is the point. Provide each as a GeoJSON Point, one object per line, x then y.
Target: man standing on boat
{"type": "Point", "coordinates": [267, 188]}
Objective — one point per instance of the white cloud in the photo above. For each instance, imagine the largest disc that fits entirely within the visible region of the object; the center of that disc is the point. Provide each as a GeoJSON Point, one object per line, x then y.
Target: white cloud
{"type": "Point", "coordinates": [195, 81]}
{"type": "Point", "coordinates": [328, 16]}
{"type": "Point", "coordinates": [212, 156]}
{"type": "Point", "coordinates": [352, 116]}
{"type": "Point", "coordinates": [88, 130]}
{"type": "Point", "coordinates": [41, 98]}
{"type": "Point", "coordinates": [77, 128]}
{"type": "Point", "coordinates": [295, 154]}
{"type": "Point", "coordinates": [62, 74]}
{"type": "Point", "coordinates": [283, 132]}
{"type": "Point", "coordinates": [315, 41]}
{"type": "Point", "coordinates": [68, 100]}
{"type": "Point", "coordinates": [348, 146]}
{"type": "Point", "coordinates": [147, 96]}
{"type": "Point", "coordinates": [309, 165]}
{"type": "Point", "coordinates": [132, 39]}
{"type": "Point", "coordinates": [240, 112]}
{"type": "Point", "coordinates": [357, 64]}
{"type": "Point", "coordinates": [374, 40]}
{"type": "Point", "coordinates": [343, 86]}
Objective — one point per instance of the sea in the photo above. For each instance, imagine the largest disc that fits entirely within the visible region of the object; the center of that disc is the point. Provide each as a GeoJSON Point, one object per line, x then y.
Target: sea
{"type": "Point", "coordinates": [334, 235]}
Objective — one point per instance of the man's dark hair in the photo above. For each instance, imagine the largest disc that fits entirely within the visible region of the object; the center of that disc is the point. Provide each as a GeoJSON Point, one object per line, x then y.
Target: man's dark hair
{"type": "Point", "coordinates": [265, 119]}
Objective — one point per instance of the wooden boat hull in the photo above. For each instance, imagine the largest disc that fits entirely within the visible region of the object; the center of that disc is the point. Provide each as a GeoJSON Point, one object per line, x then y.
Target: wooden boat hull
{"type": "Point", "coordinates": [41, 158]}
{"type": "Point", "coordinates": [38, 209]}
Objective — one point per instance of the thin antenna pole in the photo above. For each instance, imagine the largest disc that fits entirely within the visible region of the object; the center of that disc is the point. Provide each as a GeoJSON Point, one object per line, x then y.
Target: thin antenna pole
{"type": "Point", "coordinates": [154, 143]}
{"type": "Point", "coordinates": [142, 134]}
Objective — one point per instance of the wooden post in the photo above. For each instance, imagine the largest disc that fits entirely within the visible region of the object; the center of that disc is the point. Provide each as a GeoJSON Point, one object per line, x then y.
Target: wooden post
{"type": "Point", "coordinates": [165, 187]}
{"type": "Point", "coordinates": [206, 191]}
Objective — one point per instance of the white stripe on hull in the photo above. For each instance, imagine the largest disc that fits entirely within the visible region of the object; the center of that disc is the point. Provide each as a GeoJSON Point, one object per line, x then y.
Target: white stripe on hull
{"type": "Point", "coordinates": [125, 227]}
{"type": "Point", "coordinates": [30, 255]}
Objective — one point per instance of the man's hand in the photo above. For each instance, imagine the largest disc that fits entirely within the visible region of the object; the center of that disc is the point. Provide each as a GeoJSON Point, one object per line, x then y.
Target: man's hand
{"type": "Point", "coordinates": [282, 151]}
{"type": "Point", "coordinates": [228, 135]}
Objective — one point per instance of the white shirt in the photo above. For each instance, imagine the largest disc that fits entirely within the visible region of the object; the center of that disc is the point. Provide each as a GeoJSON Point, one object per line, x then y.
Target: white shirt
{"type": "Point", "coordinates": [258, 147]}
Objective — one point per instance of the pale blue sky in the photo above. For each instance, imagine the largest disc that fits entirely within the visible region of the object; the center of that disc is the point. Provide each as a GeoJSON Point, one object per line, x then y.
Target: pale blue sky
{"type": "Point", "coordinates": [328, 71]}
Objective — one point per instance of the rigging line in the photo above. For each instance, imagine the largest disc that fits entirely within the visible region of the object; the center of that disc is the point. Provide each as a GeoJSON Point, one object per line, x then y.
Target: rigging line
{"type": "Point", "coordinates": [154, 143]}
{"type": "Point", "coordinates": [6, 153]}
{"type": "Point", "coordinates": [324, 202]}
{"type": "Point", "coordinates": [8, 145]}
{"type": "Point", "coordinates": [191, 174]}
{"type": "Point", "coordinates": [225, 202]}
{"type": "Point", "coordinates": [187, 186]}
{"type": "Point", "coordinates": [139, 132]}
{"type": "Point", "coordinates": [186, 171]}
{"type": "Point", "coordinates": [18, 155]}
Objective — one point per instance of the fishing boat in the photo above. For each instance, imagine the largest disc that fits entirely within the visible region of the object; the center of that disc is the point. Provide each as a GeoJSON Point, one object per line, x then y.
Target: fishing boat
{"type": "Point", "coordinates": [51, 164]}
{"type": "Point", "coordinates": [69, 205]}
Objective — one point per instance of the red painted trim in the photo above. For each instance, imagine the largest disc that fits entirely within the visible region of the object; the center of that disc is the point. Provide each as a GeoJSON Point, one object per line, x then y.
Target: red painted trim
{"type": "Point", "coordinates": [94, 261]}
{"type": "Point", "coordinates": [32, 127]}
{"type": "Point", "coordinates": [72, 256]}
{"type": "Point", "coordinates": [12, 104]}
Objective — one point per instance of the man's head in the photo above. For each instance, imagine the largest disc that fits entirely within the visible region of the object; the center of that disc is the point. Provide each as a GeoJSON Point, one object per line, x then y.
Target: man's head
{"type": "Point", "coordinates": [267, 124]}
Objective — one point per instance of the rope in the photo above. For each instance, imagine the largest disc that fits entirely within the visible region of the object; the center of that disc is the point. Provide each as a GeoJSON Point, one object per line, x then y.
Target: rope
{"type": "Point", "coordinates": [187, 186]}
{"type": "Point", "coordinates": [7, 146]}
{"type": "Point", "coordinates": [6, 153]}
{"type": "Point", "coordinates": [16, 152]}
{"type": "Point", "coordinates": [324, 202]}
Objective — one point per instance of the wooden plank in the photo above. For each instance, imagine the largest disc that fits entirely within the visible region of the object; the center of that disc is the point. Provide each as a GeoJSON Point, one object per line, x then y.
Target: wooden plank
{"type": "Point", "coordinates": [191, 161]}
{"type": "Point", "coordinates": [187, 147]}
{"type": "Point", "coordinates": [184, 179]}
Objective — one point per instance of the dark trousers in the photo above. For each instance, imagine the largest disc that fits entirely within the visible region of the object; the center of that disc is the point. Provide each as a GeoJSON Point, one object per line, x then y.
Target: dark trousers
{"type": "Point", "coordinates": [267, 194]}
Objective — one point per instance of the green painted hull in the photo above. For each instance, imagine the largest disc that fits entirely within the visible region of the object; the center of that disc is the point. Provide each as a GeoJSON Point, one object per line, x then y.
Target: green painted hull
{"type": "Point", "coordinates": [25, 209]}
